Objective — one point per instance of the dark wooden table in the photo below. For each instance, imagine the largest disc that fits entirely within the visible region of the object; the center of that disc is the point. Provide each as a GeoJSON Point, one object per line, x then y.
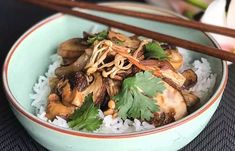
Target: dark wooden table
{"type": "Point", "coordinates": [16, 18]}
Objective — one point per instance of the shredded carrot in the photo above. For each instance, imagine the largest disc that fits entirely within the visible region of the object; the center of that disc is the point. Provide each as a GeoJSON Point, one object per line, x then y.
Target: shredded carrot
{"type": "Point", "coordinates": [136, 62]}
{"type": "Point", "coordinates": [157, 73]}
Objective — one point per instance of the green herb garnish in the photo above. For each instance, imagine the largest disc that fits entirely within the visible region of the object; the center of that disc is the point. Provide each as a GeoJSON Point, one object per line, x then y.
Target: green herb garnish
{"type": "Point", "coordinates": [119, 42]}
{"type": "Point", "coordinates": [136, 97]}
{"type": "Point", "coordinates": [154, 50]}
{"type": "Point", "coordinates": [86, 117]}
{"type": "Point", "coordinates": [99, 36]}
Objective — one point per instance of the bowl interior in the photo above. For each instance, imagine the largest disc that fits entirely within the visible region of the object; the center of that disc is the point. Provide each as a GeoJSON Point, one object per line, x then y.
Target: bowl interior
{"type": "Point", "coordinates": [31, 53]}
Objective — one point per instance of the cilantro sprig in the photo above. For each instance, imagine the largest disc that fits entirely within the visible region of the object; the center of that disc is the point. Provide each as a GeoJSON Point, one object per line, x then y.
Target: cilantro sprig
{"type": "Point", "coordinates": [86, 117]}
{"type": "Point", "coordinates": [119, 42]}
{"type": "Point", "coordinates": [154, 50]}
{"type": "Point", "coordinates": [136, 97]}
{"type": "Point", "coordinates": [99, 36]}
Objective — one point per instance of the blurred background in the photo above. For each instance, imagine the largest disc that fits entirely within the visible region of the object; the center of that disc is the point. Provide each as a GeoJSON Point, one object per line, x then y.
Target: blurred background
{"type": "Point", "coordinates": [16, 17]}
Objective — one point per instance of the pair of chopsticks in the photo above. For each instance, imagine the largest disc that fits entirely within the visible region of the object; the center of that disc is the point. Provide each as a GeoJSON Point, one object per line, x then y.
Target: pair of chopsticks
{"type": "Point", "coordinates": [65, 6]}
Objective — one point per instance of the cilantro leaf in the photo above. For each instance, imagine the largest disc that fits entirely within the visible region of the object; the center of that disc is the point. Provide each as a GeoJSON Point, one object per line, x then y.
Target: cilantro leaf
{"type": "Point", "coordinates": [154, 50]}
{"type": "Point", "coordinates": [119, 42]}
{"type": "Point", "coordinates": [99, 36]}
{"type": "Point", "coordinates": [136, 97]}
{"type": "Point", "coordinates": [86, 117]}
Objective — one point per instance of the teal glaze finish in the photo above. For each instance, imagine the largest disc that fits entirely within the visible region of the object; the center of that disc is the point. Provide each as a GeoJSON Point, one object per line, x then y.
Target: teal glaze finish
{"type": "Point", "coordinates": [170, 140]}
{"type": "Point", "coordinates": [31, 59]}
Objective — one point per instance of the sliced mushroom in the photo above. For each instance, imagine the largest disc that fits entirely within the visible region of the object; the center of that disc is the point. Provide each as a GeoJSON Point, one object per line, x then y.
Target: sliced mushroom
{"type": "Point", "coordinates": [171, 101]}
{"type": "Point", "coordinates": [72, 48]}
{"type": "Point", "coordinates": [191, 100]}
{"type": "Point", "coordinates": [68, 61]}
{"type": "Point", "coordinates": [86, 35]}
{"type": "Point", "coordinates": [56, 108]}
{"type": "Point", "coordinates": [53, 81]}
{"type": "Point", "coordinates": [175, 58]}
{"type": "Point", "coordinates": [191, 78]}
{"type": "Point", "coordinates": [78, 80]}
{"type": "Point", "coordinates": [171, 83]}
{"type": "Point", "coordinates": [112, 86]}
{"type": "Point", "coordinates": [78, 65]}
{"type": "Point", "coordinates": [133, 43]}
{"type": "Point", "coordinates": [167, 46]}
{"type": "Point", "coordinates": [130, 42]}
{"type": "Point", "coordinates": [163, 65]}
{"type": "Point", "coordinates": [59, 86]}
{"type": "Point", "coordinates": [97, 87]}
{"type": "Point", "coordinates": [104, 103]}
{"type": "Point", "coordinates": [162, 118]}
{"type": "Point", "coordinates": [167, 71]}
{"type": "Point", "coordinates": [128, 73]}
{"type": "Point", "coordinates": [175, 77]}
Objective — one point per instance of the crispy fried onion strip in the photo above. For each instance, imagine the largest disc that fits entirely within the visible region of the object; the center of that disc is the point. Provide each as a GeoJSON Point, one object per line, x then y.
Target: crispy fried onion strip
{"type": "Point", "coordinates": [119, 64]}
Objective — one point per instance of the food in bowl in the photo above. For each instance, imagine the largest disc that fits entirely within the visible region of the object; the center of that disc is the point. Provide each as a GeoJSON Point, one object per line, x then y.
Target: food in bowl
{"type": "Point", "coordinates": [111, 83]}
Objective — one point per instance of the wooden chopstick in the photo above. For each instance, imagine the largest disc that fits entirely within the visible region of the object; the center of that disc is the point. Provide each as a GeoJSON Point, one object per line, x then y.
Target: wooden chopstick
{"type": "Point", "coordinates": [160, 18]}
{"type": "Point", "coordinates": [140, 31]}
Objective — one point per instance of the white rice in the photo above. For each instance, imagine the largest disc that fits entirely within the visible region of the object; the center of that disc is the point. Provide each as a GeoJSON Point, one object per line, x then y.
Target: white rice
{"type": "Point", "coordinates": [206, 80]}
{"type": "Point", "coordinates": [41, 90]}
{"type": "Point", "coordinates": [117, 125]}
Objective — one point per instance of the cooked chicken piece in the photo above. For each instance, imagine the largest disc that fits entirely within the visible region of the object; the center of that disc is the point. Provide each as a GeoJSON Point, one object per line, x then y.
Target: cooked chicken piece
{"type": "Point", "coordinates": [67, 94]}
{"type": "Point", "coordinates": [171, 101]}
{"type": "Point", "coordinates": [191, 78]}
{"type": "Point", "coordinates": [78, 99]}
{"type": "Point", "coordinates": [56, 108]}
{"type": "Point", "coordinates": [72, 97]}
{"type": "Point", "coordinates": [191, 100]}
{"type": "Point", "coordinates": [74, 94]}
{"type": "Point", "coordinates": [130, 42]}
{"type": "Point", "coordinates": [70, 87]}
{"type": "Point", "coordinates": [175, 58]}
{"type": "Point", "coordinates": [72, 48]}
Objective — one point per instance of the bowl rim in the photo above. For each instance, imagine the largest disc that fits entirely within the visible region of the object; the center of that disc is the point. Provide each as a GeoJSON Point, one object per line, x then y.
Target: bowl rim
{"type": "Point", "coordinates": [12, 100]}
